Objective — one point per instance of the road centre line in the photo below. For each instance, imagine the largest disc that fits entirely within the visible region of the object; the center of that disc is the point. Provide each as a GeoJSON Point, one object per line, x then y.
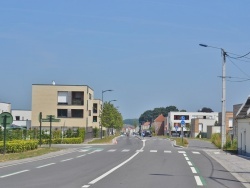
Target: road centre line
{"type": "Point", "coordinates": [167, 151]}
{"type": "Point", "coordinates": [85, 186]}
{"type": "Point", "coordinates": [184, 154]}
{"type": "Point", "coordinates": [189, 163]}
{"type": "Point", "coordinates": [198, 180]}
{"type": "Point", "coordinates": [187, 158]}
{"type": "Point", "coordinates": [66, 160]}
{"type": "Point", "coordinates": [181, 152]}
{"type": "Point", "coordinates": [45, 165]}
{"type": "Point", "coordinates": [13, 173]}
{"type": "Point", "coordinates": [153, 151]}
{"type": "Point", "coordinates": [115, 168]}
{"type": "Point", "coordinates": [81, 156]}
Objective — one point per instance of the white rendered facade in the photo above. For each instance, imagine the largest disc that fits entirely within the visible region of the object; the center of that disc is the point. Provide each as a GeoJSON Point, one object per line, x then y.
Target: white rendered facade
{"type": "Point", "coordinates": [174, 119]}
{"type": "Point", "coordinates": [5, 107]}
{"type": "Point", "coordinates": [21, 118]}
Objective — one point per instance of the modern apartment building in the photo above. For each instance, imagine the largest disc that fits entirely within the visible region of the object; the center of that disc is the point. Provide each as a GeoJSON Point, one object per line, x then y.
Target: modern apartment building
{"type": "Point", "coordinates": [174, 120]}
{"type": "Point", "coordinates": [74, 105]}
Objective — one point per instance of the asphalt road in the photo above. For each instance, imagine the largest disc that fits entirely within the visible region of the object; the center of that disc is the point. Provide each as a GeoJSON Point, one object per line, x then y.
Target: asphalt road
{"type": "Point", "coordinates": [132, 162]}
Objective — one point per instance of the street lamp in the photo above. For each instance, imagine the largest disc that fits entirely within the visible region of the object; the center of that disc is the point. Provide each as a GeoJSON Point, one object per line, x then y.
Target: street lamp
{"type": "Point", "coordinates": [103, 91]}
{"type": "Point", "coordinates": [112, 101]}
{"type": "Point", "coordinates": [223, 111]}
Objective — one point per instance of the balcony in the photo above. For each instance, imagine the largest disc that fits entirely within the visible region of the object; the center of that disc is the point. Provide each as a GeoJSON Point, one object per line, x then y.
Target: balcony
{"type": "Point", "coordinates": [77, 102]}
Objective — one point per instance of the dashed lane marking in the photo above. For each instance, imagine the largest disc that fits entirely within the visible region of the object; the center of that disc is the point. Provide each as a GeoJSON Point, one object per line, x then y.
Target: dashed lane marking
{"type": "Point", "coordinates": [198, 180]}
{"type": "Point", "coordinates": [45, 165]}
{"type": "Point", "coordinates": [167, 151]}
{"type": "Point", "coordinates": [193, 170]}
{"type": "Point", "coordinates": [196, 152]}
{"type": "Point", "coordinates": [181, 152]}
{"type": "Point", "coordinates": [13, 173]}
{"type": "Point", "coordinates": [153, 151]}
{"type": "Point", "coordinates": [125, 150]}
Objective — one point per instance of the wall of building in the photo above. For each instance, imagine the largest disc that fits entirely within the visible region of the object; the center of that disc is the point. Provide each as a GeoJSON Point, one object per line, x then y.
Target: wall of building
{"type": "Point", "coordinates": [45, 100]}
{"type": "Point", "coordinates": [5, 107]}
{"type": "Point", "coordinates": [21, 118]}
{"type": "Point", "coordinates": [244, 136]}
{"type": "Point", "coordinates": [211, 130]}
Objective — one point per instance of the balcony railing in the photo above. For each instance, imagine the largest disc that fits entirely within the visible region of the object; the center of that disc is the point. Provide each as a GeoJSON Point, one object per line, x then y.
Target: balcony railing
{"type": "Point", "coordinates": [77, 102]}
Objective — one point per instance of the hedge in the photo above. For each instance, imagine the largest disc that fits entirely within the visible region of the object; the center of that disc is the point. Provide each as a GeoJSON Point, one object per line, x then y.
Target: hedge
{"type": "Point", "coordinates": [64, 141]}
{"type": "Point", "coordinates": [19, 146]}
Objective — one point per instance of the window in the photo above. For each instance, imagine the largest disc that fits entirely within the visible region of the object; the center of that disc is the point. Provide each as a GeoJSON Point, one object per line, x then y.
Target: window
{"type": "Point", "coordinates": [77, 113]}
{"type": "Point", "coordinates": [95, 108]}
{"type": "Point", "coordinates": [90, 96]}
{"type": "Point", "coordinates": [230, 123]}
{"type": "Point", "coordinates": [94, 118]}
{"type": "Point", "coordinates": [89, 112]}
{"type": "Point", "coordinates": [17, 118]}
{"type": "Point", "coordinates": [77, 98]}
{"type": "Point", "coordinates": [62, 97]}
{"type": "Point", "coordinates": [62, 113]}
{"type": "Point", "coordinates": [178, 117]}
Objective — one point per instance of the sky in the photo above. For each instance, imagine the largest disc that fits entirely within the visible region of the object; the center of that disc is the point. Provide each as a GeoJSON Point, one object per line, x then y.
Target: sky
{"type": "Point", "coordinates": [147, 51]}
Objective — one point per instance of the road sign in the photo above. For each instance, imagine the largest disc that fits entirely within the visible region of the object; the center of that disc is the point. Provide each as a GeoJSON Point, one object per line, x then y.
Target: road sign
{"type": "Point", "coordinates": [8, 116]}
{"type": "Point", "coordinates": [182, 117]}
{"type": "Point", "coordinates": [183, 123]}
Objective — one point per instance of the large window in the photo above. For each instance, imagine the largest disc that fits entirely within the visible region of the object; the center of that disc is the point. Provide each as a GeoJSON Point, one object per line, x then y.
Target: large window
{"type": "Point", "coordinates": [94, 118]}
{"type": "Point", "coordinates": [77, 98]}
{"type": "Point", "coordinates": [62, 113]}
{"type": "Point", "coordinates": [77, 113]}
{"type": "Point", "coordinates": [178, 117]}
{"type": "Point", "coordinates": [95, 108]}
{"type": "Point", "coordinates": [62, 97]}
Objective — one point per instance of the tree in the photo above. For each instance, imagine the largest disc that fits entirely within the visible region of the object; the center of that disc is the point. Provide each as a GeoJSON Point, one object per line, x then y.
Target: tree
{"type": "Point", "coordinates": [205, 109]}
{"type": "Point", "coordinates": [111, 117]}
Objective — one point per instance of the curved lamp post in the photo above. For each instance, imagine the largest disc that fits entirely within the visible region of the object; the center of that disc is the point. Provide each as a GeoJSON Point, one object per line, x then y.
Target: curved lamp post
{"type": "Point", "coordinates": [103, 91]}
{"type": "Point", "coordinates": [223, 107]}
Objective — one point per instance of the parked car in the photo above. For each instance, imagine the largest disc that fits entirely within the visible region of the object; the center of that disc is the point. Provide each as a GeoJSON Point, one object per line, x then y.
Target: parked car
{"type": "Point", "coordinates": [147, 133]}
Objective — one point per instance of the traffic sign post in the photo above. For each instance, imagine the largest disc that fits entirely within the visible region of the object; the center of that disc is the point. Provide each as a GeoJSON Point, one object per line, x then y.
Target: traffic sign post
{"type": "Point", "coordinates": [5, 119]}
{"type": "Point", "coordinates": [182, 125]}
{"type": "Point", "coordinates": [50, 118]}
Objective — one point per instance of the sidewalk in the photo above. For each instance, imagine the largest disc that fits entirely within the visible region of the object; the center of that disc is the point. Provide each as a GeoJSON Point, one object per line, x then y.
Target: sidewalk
{"type": "Point", "coordinates": [238, 166]}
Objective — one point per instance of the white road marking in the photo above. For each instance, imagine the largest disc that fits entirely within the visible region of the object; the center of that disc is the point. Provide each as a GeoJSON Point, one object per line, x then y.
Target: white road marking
{"type": "Point", "coordinates": [85, 186]}
{"type": "Point", "coordinates": [187, 158]}
{"type": "Point", "coordinates": [66, 160]}
{"type": "Point", "coordinates": [45, 165]}
{"type": "Point", "coordinates": [193, 170]}
{"type": "Point", "coordinates": [198, 180]}
{"type": "Point", "coordinates": [80, 156]}
{"type": "Point", "coordinates": [153, 151]}
{"type": "Point", "coordinates": [184, 154]}
{"type": "Point", "coordinates": [167, 151]}
{"type": "Point", "coordinates": [181, 152]}
{"type": "Point", "coordinates": [111, 150]}
{"type": "Point", "coordinates": [217, 152]}
{"type": "Point", "coordinates": [189, 163]}
{"type": "Point", "coordinates": [139, 150]}
{"type": "Point", "coordinates": [13, 173]}
{"type": "Point", "coordinates": [94, 151]}
{"type": "Point", "coordinates": [83, 150]}
{"type": "Point", "coordinates": [196, 152]}
{"type": "Point", "coordinates": [125, 150]}
{"type": "Point", "coordinates": [113, 169]}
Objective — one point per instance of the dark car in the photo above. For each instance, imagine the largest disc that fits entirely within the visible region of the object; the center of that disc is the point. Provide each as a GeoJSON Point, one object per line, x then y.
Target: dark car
{"type": "Point", "coordinates": [147, 134]}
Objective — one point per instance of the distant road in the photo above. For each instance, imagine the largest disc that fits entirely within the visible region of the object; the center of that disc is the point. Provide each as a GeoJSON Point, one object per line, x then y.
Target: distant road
{"type": "Point", "coordinates": [153, 162]}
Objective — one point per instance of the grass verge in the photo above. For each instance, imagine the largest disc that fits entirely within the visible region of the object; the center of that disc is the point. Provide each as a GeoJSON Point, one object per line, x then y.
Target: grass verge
{"type": "Point", "coordinates": [179, 142]}
{"type": "Point", "coordinates": [26, 154]}
{"type": "Point", "coordinates": [105, 140]}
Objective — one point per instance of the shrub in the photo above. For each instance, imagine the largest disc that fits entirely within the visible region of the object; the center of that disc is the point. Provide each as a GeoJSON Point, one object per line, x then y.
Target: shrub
{"type": "Point", "coordinates": [19, 146]}
{"type": "Point", "coordinates": [216, 139]}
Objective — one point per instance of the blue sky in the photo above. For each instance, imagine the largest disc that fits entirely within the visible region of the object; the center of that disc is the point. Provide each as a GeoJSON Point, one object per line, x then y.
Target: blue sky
{"type": "Point", "coordinates": [147, 51]}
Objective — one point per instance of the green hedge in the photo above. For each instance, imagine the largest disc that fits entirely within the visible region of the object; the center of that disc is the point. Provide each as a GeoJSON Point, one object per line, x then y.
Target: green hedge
{"type": "Point", "coordinates": [19, 146]}
{"type": "Point", "coordinates": [64, 141]}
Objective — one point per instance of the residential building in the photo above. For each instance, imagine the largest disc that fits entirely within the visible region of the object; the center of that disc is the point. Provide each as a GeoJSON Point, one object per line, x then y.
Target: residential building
{"type": "Point", "coordinates": [5, 107]}
{"type": "Point", "coordinates": [243, 124]}
{"type": "Point", "coordinates": [174, 120]}
{"type": "Point", "coordinates": [21, 118]}
{"type": "Point", "coordinates": [199, 126]}
{"type": "Point", "coordinates": [229, 121]}
{"type": "Point", "coordinates": [74, 105]}
{"type": "Point", "coordinates": [159, 125]}
{"type": "Point", "coordinates": [236, 108]}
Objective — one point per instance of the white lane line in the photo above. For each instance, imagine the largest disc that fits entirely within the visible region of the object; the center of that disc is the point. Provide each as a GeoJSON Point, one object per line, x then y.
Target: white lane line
{"type": "Point", "coordinates": [139, 150]}
{"type": "Point", "coordinates": [115, 168]}
{"type": "Point", "coordinates": [94, 151]}
{"type": "Point", "coordinates": [153, 151]}
{"type": "Point", "coordinates": [125, 150]}
{"type": "Point", "coordinates": [193, 170]}
{"type": "Point", "coordinates": [45, 165]}
{"type": "Point", "coordinates": [13, 173]}
{"type": "Point", "coordinates": [217, 152]}
{"type": "Point", "coordinates": [187, 158]}
{"type": "Point", "coordinates": [184, 154]}
{"type": "Point", "coordinates": [83, 150]}
{"type": "Point", "coordinates": [181, 152]}
{"type": "Point", "coordinates": [111, 150]}
{"type": "Point", "coordinates": [189, 163]}
{"type": "Point", "coordinates": [80, 156]}
{"type": "Point", "coordinates": [85, 186]}
{"type": "Point", "coordinates": [196, 152]}
{"type": "Point", "coordinates": [66, 160]}
{"type": "Point", "coordinates": [167, 151]}
{"type": "Point", "coordinates": [198, 180]}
